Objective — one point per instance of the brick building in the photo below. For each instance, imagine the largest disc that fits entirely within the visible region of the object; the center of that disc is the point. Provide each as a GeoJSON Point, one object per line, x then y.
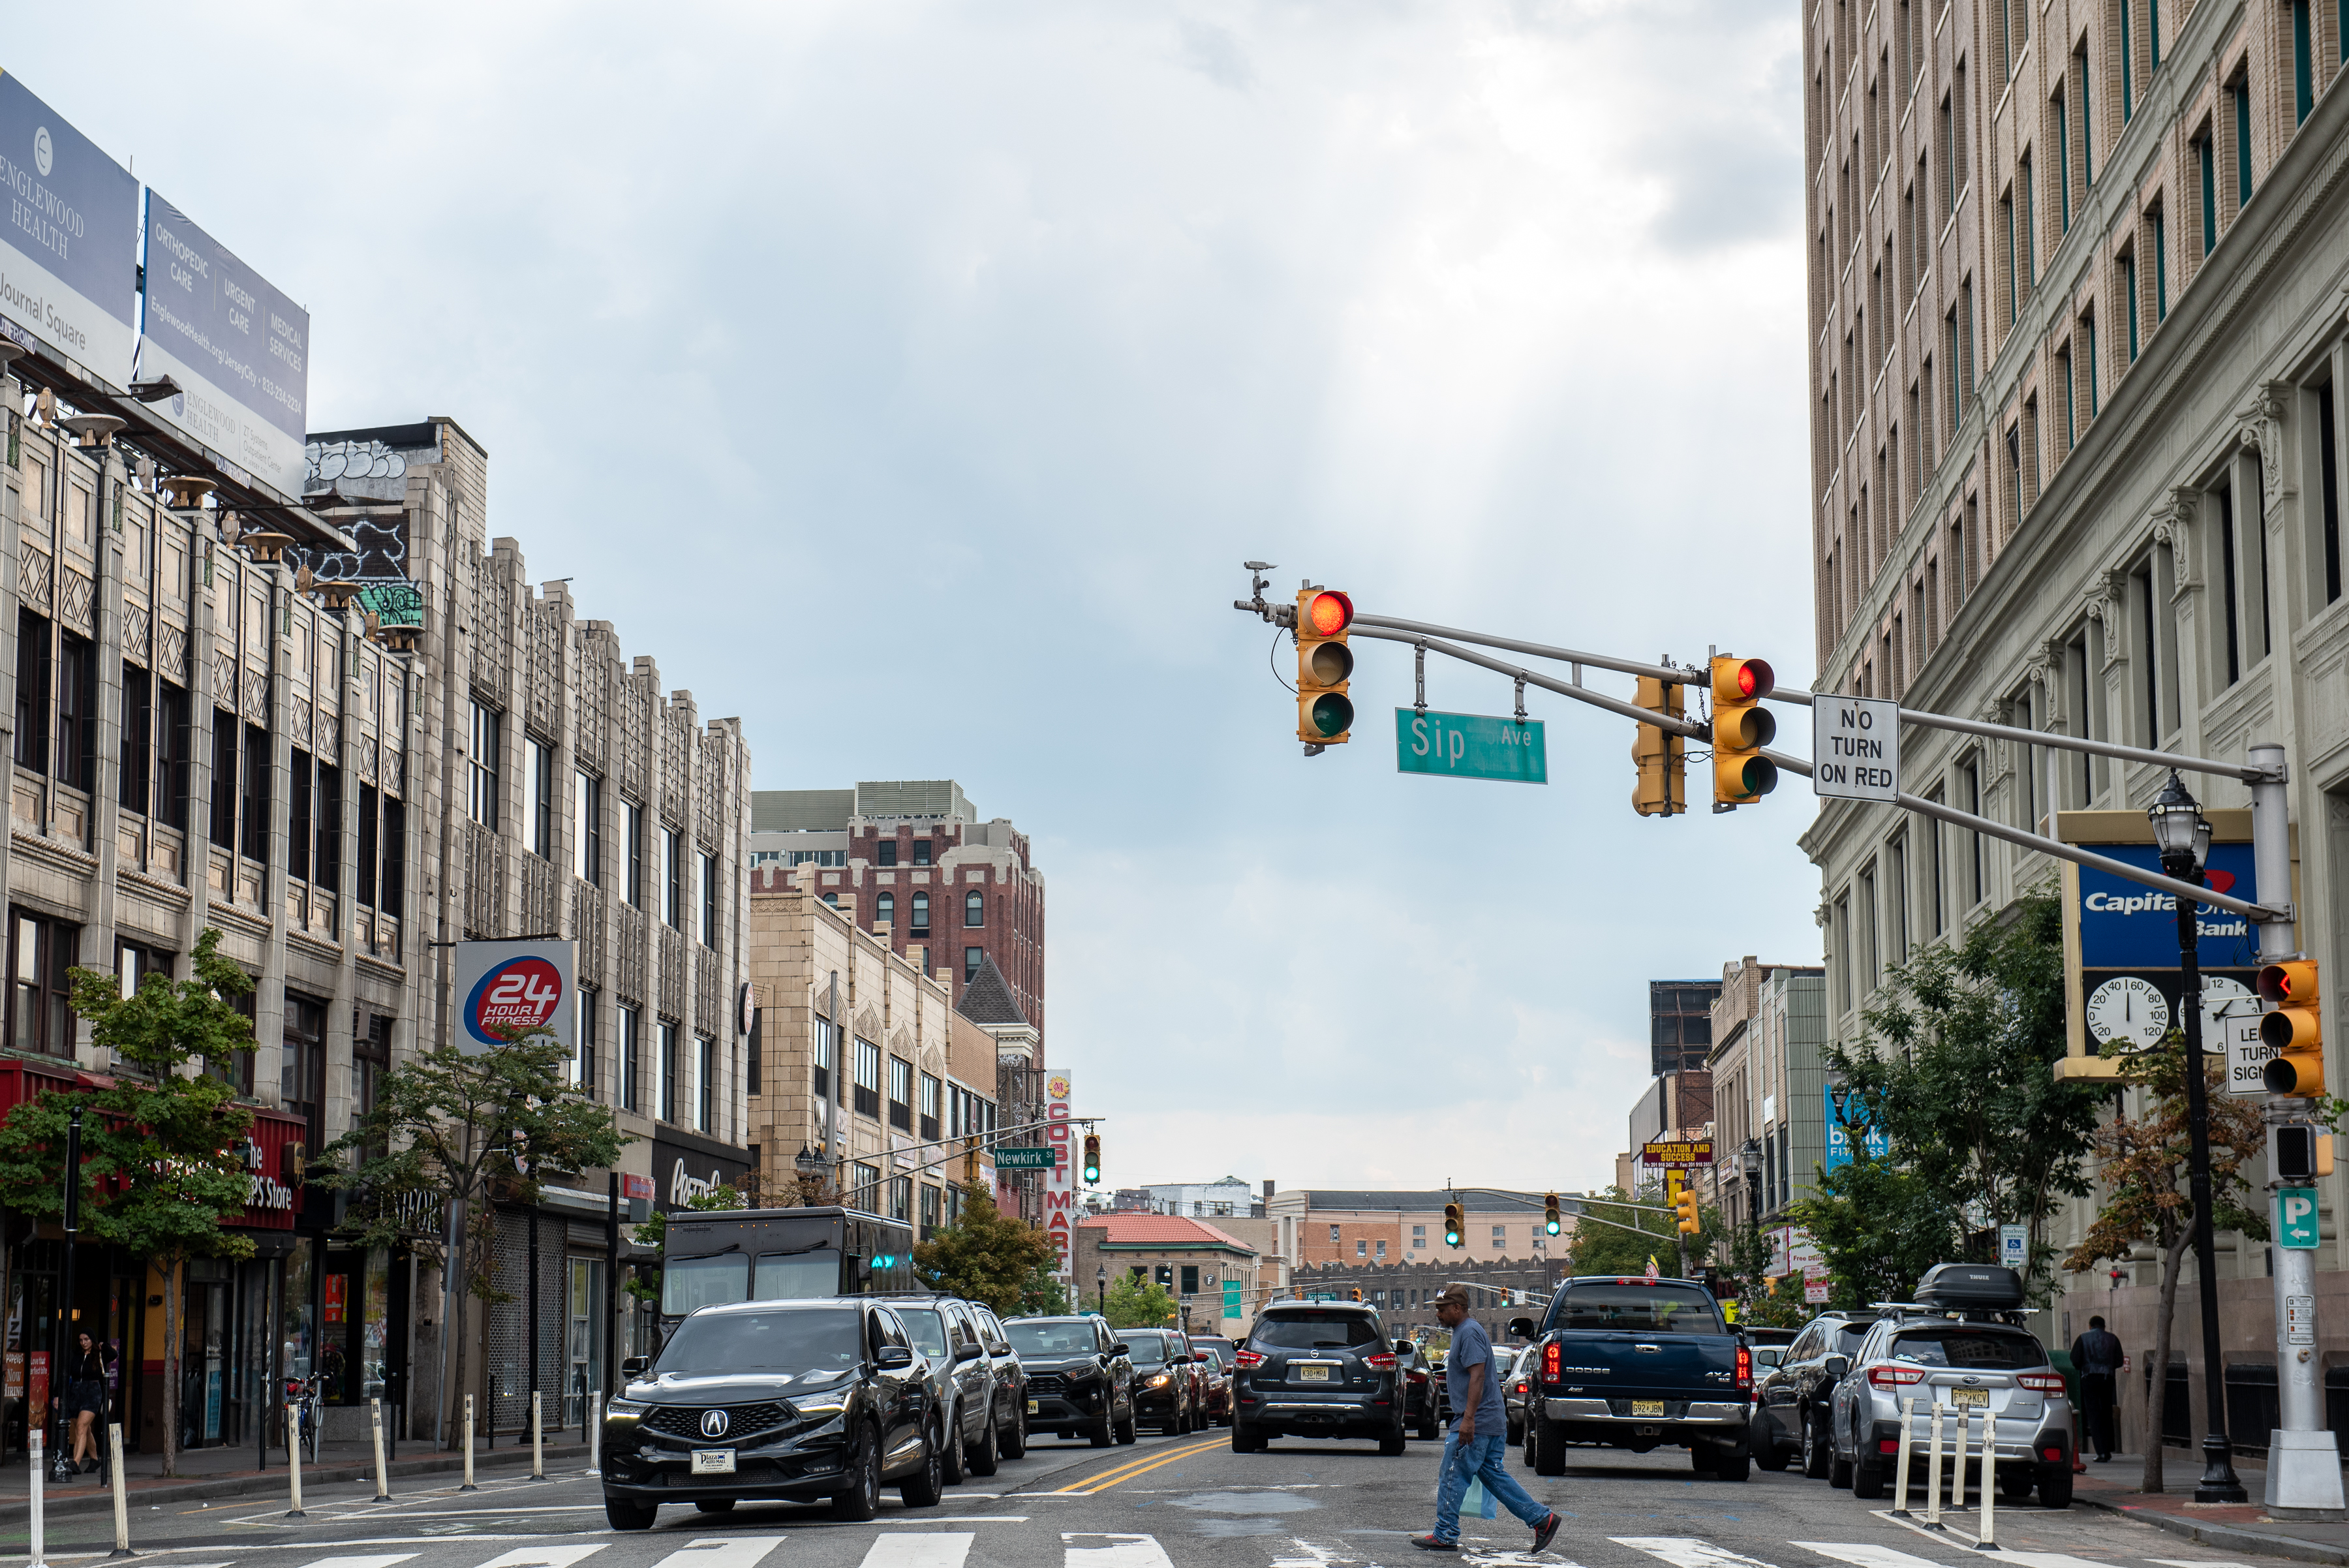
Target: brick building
{"type": "Point", "coordinates": [1318, 1225]}
{"type": "Point", "coordinates": [1197, 1261]}
{"type": "Point", "coordinates": [1405, 1293]}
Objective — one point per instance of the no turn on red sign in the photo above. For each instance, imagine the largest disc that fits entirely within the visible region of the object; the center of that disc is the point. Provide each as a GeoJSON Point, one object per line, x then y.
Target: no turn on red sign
{"type": "Point", "coordinates": [1854, 748]}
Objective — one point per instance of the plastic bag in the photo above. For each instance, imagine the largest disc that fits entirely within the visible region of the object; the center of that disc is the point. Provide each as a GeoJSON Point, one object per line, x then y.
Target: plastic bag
{"type": "Point", "coordinates": [1478, 1501]}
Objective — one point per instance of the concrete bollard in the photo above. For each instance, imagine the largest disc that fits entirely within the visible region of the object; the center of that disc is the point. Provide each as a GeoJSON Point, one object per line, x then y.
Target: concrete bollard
{"type": "Point", "coordinates": [294, 1457]}
{"type": "Point", "coordinates": [1901, 1466]}
{"type": "Point", "coordinates": [1989, 1542]}
{"type": "Point", "coordinates": [1933, 1473]}
{"type": "Point", "coordinates": [121, 1501]}
{"type": "Point", "coordinates": [537, 1445]}
{"type": "Point", "coordinates": [33, 1452]}
{"type": "Point", "coordinates": [469, 1485]}
{"type": "Point", "coordinates": [382, 1477]}
{"type": "Point", "coordinates": [596, 1433]}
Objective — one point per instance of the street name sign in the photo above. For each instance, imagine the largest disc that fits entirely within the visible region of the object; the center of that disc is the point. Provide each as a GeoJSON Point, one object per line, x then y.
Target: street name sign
{"type": "Point", "coordinates": [1016, 1159]}
{"type": "Point", "coordinates": [2296, 1217]}
{"type": "Point", "coordinates": [1678, 1155]}
{"type": "Point", "coordinates": [1471, 746]}
{"type": "Point", "coordinates": [1854, 748]}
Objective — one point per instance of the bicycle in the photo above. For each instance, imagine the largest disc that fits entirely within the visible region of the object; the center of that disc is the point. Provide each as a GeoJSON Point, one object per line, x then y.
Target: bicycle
{"type": "Point", "coordinates": [303, 1394]}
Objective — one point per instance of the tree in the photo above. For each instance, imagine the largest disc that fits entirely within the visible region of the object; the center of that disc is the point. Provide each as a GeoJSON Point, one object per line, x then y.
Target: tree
{"type": "Point", "coordinates": [1957, 1071]}
{"type": "Point", "coordinates": [1137, 1301]}
{"type": "Point", "coordinates": [159, 1168]}
{"type": "Point", "coordinates": [1749, 1272]}
{"type": "Point", "coordinates": [1879, 1226]}
{"type": "Point", "coordinates": [985, 1256]}
{"type": "Point", "coordinates": [2148, 1196]}
{"type": "Point", "coordinates": [450, 1133]}
{"type": "Point", "coordinates": [1602, 1245]}
{"type": "Point", "coordinates": [1041, 1294]}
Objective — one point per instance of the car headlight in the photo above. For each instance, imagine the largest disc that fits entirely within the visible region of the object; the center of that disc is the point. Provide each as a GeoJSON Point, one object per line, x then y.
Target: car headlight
{"type": "Point", "coordinates": [831, 1402]}
{"type": "Point", "coordinates": [625, 1406]}
{"type": "Point", "coordinates": [1159, 1382]}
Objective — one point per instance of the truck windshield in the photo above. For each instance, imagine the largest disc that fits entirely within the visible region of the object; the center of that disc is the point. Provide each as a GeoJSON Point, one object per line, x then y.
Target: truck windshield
{"type": "Point", "coordinates": [796, 1276]}
{"type": "Point", "coordinates": [805, 1339]}
{"type": "Point", "coordinates": [687, 1284]}
{"type": "Point", "coordinates": [1630, 1307]}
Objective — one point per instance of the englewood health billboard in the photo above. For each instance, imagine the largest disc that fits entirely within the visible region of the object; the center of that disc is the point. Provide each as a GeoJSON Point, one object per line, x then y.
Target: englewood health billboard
{"type": "Point", "coordinates": [69, 244]}
{"type": "Point", "coordinates": [238, 347]}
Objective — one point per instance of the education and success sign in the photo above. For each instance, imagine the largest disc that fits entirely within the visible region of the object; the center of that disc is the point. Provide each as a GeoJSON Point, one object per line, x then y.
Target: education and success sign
{"type": "Point", "coordinates": [505, 988]}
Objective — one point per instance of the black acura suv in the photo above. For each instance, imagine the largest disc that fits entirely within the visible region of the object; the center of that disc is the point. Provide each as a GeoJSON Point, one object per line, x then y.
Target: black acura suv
{"type": "Point", "coordinates": [782, 1400]}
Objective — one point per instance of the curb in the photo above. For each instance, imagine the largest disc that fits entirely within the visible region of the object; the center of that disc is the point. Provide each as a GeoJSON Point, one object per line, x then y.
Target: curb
{"type": "Point", "coordinates": [2233, 1537]}
{"type": "Point", "coordinates": [101, 1499]}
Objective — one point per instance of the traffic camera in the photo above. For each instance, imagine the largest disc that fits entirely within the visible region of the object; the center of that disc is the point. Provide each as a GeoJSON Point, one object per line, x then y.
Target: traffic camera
{"type": "Point", "coordinates": [1324, 663]}
{"type": "Point", "coordinates": [1741, 728]}
{"type": "Point", "coordinates": [1092, 1158]}
{"type": "Point", "coordinates": [1660, 756]}
{"type": "Point", "coordinates": [2293, 1029]}
{"type": "Point", "coordinates": [1549, 1214]}
{"type": "Point", "coordinates": [1684, 1205]}
{"type": "Point", "coordinates": [1455, 1225]}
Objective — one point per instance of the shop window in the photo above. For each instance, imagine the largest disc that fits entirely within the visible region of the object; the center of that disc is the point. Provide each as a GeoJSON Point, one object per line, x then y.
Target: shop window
{"type": "Point", "coordinates": [41, 952]}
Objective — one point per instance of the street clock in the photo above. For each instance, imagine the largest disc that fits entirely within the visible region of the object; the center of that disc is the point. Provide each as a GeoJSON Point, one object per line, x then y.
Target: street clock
{"type": "Point", "coordinates": [2127, 1012]}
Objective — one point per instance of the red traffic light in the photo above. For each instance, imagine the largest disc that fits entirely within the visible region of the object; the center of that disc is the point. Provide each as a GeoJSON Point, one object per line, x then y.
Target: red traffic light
{"type": "Point", "coordinates": [1743, 682]}
{"type": "Point", "coordinates": [1328, 613]}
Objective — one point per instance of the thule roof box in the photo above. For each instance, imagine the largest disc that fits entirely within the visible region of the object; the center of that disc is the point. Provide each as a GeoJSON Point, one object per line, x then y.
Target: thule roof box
{"type": "Point", "coordinates": [1969, 1288]}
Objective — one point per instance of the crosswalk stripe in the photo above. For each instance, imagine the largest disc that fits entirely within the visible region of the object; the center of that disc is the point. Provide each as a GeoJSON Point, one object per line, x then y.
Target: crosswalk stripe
{"type": "Point", "coordinates": [1688, 1551]}
{"type": "Point", "coordinates": [544, 1556]}
{"type": "Point", "coordinates": [382, 1561]}
{"type": "Point", "coordinates": [1123, 1551]}
{"type": "Point", "coordinates": [921, 1549]}
{"type": "Point", "coordinates": [737, 1551]}
{"type": "Point", "coordinates": [2043, 1560]}
{"type": "Point", "coordinates": [1864, 1556]}
{"type": "Point", "coordinates": [2194, 1563]}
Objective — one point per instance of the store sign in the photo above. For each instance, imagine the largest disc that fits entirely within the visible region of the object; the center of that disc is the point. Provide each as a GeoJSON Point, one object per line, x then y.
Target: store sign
{"type": "Point", "coordinates": [511, 988]}
{"type": "Point", "coordinates": [1061, 1178]}
{"type": "Point", "coordinates": [1680, 1153]}
{"type": "Point", "coordinates": [2127, 924]}
{"type": "Point", "coordinates": [683, 1173]}
{"type": "Point", "coordinates": [274, 1160]}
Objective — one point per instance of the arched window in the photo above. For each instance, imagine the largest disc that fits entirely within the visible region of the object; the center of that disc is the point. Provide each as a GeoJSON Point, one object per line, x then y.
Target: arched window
{"type": "Point", "coordinates": [884, 911]}
{"type": "Point", "coordinates": [920, 923]}
{"type": "Point", "coordinates": [974, 908]}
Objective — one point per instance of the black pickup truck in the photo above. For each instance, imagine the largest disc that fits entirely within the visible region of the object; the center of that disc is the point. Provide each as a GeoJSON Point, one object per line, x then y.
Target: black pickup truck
{"type": "Point", "coordinates": [1637, 1364]}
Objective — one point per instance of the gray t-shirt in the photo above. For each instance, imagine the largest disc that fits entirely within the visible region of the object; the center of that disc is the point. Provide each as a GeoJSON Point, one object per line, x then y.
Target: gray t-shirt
{"type": "Point", "coordinates": [1469, 1347]}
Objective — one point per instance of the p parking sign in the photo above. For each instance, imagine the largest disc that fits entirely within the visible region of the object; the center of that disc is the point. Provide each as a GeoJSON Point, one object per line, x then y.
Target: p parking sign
{"type": "Point", "coordinates": [2296, 1223]}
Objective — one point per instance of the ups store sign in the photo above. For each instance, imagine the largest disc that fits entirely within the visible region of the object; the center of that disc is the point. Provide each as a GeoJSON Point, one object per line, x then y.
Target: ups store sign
{"type": "Point", "coordinates": [686, 1167]}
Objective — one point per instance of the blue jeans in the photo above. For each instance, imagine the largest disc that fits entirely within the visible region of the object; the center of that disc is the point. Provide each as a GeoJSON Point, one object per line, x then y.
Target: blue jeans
{"type": "Point", "coordinates": [1483, 1458]}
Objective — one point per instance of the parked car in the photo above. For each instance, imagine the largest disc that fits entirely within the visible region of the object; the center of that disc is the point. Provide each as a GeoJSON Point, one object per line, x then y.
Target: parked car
{"type": "Point", "coordinates": [1948, 1348]}
{"type": "Point", "coordinates": [1079, 1378]}
{"type": "Point", "coordinates": [944, 1331]}
{"type": "Point", "coordinates": [1790, 1401]}
{"type": "Point", "coordinates": [1318, 1369]}
{"type": "Point", "coordinates": [1637, 1364]}
{"type": "Point", "coordinates": [1010, 1384]}
{"type": "Point", "coordinates": [792, 1400]}
{"type": "Point", "coordinates": [1165, 1390]}
{"type": "Point", "coordinates": [1214, 1359]}
{"type": "Point", "coordinates": [1513, 1403]}
{"type": "Point", "coordinates": [1421, 1410]}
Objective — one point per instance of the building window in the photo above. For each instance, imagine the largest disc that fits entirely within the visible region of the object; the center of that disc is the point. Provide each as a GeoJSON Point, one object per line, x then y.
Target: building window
{"type": "Point", "coordinates": [921, 852]}
{"type": "Point", "coordinates": [1361, 1248]}
{"type": "Point", "coordinates": [2207, 163]}
{"type": "Point", "coordinates": [1333, 1235]}
{"type": "Point", "coordinates": [40, 989]}
{"type": "Point", "coordinates": [901, 1198]}
{"type": "Point", "coordinates": [668, 1071]}
{"type": "Point", "coordinates": [302, 1064]}
{"type": "Point", "coordinates": [33, 646]}
{"type": "Point", "coordinates": [974, 908]}
{"type": "Point", "coordinates": [706, 867]}
{"type": "Point", "coordinates": [820, 1059]}
{"type": "Point", "coordinates": [884, 911]}
{"type": "Point", "coordinates": [225, 731]}
{"type": "Point", "coordinates": [901, 1093]}
{"type": "Point", "coordinates": [1419, 1235]}
{"type": "Point", "coordinates": [919, 924]}
{"type": "Point", "coordinates": [255, 794]}
{"type": "Point", "coordinates": [172, 738]}
{"type": "Point", "coordinates": [481, 766]}
{"type": "Point", "coordinates": [588, 828]}
{"type": "Point", "coordinates": [1971, 773]}
{"type": "Point", "coordinates": [630, 1052]}
{"type": "Point", "coordinates": [971, 962]}
{"type": "Point", "coordinates": [929, 1107]}
{"type": "Point", "coordinates": [2303, 88]}
{"type": "Point", "coordinates": [929, 1210]}
{"type": "Point", "coordinates": [868, 1079]}
{"type": "Point", "coordinates": [77, 713]}
{"type": "Point", "coordinates": [866, 1193]}
{"type": "Point", "coordinates": [2240, 92]}
{"type": "Point", "coordinates": [538, 759]}
{"type": "Point", "coordinates": [583, 1043]}
{"type": "Point", "coordinates": [673, 879]}
{"type": "Point", "coordinates": [1500, 1237]}
{"type": "Point", "coordinates": [705, 1083]}
{"type": "Point", "coordinates": [370, 1060]}
{"type": "Point", "coordinates": [138, 737]}
{"type": "Point", "coordinates": [885, 852]}
{"type": "Point", "coordinates": [1382, 1252]}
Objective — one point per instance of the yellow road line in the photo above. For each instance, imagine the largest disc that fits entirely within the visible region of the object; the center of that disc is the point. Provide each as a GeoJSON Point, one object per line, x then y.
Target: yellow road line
{"type": "Point", "coordinates": [1119, 1478]}
{"type": "Point", "coordinates": [1136, 1466]}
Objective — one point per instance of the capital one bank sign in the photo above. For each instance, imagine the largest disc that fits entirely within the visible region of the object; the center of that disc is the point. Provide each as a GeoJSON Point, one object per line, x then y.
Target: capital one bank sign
{"type": "Point", "coordinates": [1061, 1181]}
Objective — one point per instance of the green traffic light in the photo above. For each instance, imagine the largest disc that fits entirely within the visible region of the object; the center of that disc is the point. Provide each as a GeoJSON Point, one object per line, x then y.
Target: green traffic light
{"type": "Point", "coordinates": [1332, 714]}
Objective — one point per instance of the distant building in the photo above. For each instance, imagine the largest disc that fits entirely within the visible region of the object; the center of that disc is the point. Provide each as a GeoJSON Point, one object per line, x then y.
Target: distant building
{"type": "Point", "coordinates": [1769, 1081]}
{"type": "Point", "coordinates": [1679, 1021]}
{"type": "Point", "coordinates": [1676, 1105]}
{"type": "Point", "coordinates": [1228, 1197]}
{"type": "Point", "coordinates": [1204, 1267]}
{"type": "Point", "coordinates": [1342, 1227]}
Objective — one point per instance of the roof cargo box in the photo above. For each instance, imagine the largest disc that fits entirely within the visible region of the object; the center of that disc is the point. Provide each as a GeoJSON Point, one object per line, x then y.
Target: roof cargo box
{"type": "Point", "coordinates": [1970, 1287]}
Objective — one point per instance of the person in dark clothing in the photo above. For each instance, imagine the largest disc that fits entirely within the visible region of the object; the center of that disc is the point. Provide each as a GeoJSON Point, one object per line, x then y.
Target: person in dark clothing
{"type": "Point", "coordinates": [86, 1397]}
{"type": "Point", "coordinates": [2097, 1358]}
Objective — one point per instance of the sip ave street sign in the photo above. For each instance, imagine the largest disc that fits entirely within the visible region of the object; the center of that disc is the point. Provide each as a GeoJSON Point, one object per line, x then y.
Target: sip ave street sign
{"type": "Point", "coordinates": [1471, 746]}
{"type": "Point", "coordinates": [1856, 748]}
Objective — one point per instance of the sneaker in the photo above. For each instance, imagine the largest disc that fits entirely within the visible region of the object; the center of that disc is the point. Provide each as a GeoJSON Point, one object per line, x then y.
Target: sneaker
{"type": "Point", "coordinates": [90, 1466]}
{"type": "Point", "coordinates": [1544, 1531]}
{"type": "Point", "coordinates": [1434, 1543]}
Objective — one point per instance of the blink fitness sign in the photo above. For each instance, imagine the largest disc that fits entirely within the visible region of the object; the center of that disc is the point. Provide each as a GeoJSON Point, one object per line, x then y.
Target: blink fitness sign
{"type": "Point", "coordinates": [505, 988]}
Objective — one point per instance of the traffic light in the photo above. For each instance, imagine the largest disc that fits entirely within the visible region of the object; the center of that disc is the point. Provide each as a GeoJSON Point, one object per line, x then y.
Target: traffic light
{"type": "Point", "coordinates": [1455, 1225]}
{"type": "Point", "coordinates": [2302, 1154]}
{"type": "Point", "coordinates": [1324, 713]}
{"type": "Point", "coordinates": [1741, 728]}
{"type": "Point", "coordinates": [2295, 1029]}
{"type": "Point", "coordinates": [1684, 1205]}
{"type": "Point", "coordinates": [1549, 1209]}
{"type": "Point", "coordinates": [1659, 755]}
{"type": "Point", "coordinates": [1771, 1281]}
{"type": "Point", "coordinates": [1093, 1157]}
{"type": "Point", "coordinates": [1357, 1292]}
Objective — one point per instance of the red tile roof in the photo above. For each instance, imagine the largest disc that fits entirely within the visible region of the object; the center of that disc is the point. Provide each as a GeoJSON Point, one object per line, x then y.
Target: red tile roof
{"type": "Point", "coordinates": [1161, 1230]}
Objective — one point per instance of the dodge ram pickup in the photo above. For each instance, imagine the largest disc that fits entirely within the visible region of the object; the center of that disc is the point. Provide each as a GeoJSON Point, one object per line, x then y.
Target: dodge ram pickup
{"type": "Point", "coordinates": [1637, 1364]}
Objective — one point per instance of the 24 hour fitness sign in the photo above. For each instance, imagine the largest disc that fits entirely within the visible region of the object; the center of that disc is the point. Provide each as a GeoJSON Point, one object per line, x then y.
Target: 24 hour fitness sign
{"type": "Point", "coordinates": [509, 988]}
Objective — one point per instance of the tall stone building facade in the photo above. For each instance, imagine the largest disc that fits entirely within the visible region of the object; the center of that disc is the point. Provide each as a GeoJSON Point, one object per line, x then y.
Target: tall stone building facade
{"type": "Point", "coordinates": [2076, 293]}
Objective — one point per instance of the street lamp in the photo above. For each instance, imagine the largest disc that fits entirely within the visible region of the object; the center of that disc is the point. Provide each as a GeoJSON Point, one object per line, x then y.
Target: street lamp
{"type": "Point", "coordinates": [1100, 1289]}
{"type": "Point", "coordinates": [2183, 835]}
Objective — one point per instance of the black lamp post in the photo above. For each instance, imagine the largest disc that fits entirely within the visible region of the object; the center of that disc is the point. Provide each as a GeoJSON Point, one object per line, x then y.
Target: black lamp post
{"type": "Point", "coordinates": [1100, 1289]}
{"type": "Point", "coordinates": [2183, 836]}
{"type": "Point", "coordinates": [1750, 1157]}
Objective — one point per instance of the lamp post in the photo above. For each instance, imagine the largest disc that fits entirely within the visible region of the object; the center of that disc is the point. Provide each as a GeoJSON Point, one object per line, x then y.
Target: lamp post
{"type": "Point", "coordinates": [2183, 835]}
{"type": "Point", "coordinates": [1100, 1289]}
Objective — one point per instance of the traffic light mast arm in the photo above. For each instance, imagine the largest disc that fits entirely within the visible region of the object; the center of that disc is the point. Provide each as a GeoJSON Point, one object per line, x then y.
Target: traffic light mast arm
{"type": "Point", "coordinates": [2260, 913]}
{"type": "Point", "coordinates": [1694, 729]}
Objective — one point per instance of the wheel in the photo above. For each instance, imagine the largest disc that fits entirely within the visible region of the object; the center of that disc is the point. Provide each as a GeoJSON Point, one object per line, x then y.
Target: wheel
{"type": "Point", "coordinates": [1547, 1440]}
{"type": "Point", "coordinates": [1731, 1467]}
{"type": "Point", "coordinates": [1394, 1442]}
{"type": "Point", "coordinates": [629, 1515]}
{"type": "Point", "coordinates": [863, 1500]}
{"type": "Point", "coordinates": [1701, 1458]}
{"type": "Point", "coordinates": [1015, 1441]}
{"type": "Point", "coordinates": [1839, 1472]}
{"type": "Point", "coordinates": [1103, 1432]}
{"type": "Point", "coordinates": [951, 1463]}
{"type": "Point", "coordinates": [1244, 1439]}
{"type": "Point", "coordinates": [1128, 1430]}
{"type": "Point", "coordinates": [1429, 1431]}
{"type": "Point", "coordinates": [1815, 1447]}
{"type": "Point", "coordinates": [928, 1483]}
{"type": "Point", "coordinates": [716, 1505]}
{"type": "Point", "coordinates": [989, 1457]}
{"type": "Point", "coordinates": [1866, 1481]}
{"type": "Point", "coordinates": [2055, 1486]}
{"type": "Point", "coordinates": [2013, 1486]}
{"type": "Point", "coordinates": [1525, 1454]}
{"type": "Point", "coordinates": [1766, 1449]}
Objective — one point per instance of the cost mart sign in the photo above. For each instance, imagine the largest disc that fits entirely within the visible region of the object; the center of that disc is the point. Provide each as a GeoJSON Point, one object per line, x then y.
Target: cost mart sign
{"type": "Point", "coordinates": [505, 988]}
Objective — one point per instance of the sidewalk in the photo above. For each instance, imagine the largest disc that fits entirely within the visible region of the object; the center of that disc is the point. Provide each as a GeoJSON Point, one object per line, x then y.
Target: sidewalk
{"type": "Point", "coordinates": [2112, 1486]}
{"type": "Point", "coordinates": [229, 1472]}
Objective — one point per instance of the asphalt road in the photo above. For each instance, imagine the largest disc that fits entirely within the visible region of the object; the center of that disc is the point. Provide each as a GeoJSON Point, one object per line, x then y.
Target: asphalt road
{"type": "Point", "coordinates": [1167, 1502]}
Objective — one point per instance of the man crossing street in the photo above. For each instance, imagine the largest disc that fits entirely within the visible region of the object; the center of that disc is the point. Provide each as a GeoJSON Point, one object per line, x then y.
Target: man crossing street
{"type": "Point", "coordinates": [1479, 1441]}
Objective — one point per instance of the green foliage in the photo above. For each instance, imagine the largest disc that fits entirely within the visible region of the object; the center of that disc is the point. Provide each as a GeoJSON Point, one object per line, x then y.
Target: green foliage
{"type": "Point", "coordinates": [1042, 1295]}
{"type": "Point", "coordinates": [1877, 1226]}
{"type": "Point", "coordinates": [1957, 1072]}
{"type": "Point", "coordinates": [985, 1256]}
{"type": "Point", "coordinates": [1137, 1301]}
{"type": "Point", "coordinates": [1601, 1244]}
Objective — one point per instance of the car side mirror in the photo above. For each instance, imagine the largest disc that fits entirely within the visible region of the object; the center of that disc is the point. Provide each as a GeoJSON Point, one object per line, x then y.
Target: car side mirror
{"type": "Point", "coordinates": [1522, 1326]}
{"type": "Point", "coordinates": [968, 1353]}
{"type": "Point", "coordinates": [1403, 1347]}
{"type": "Point", "coordinates": [892, 1356]}
{"type": "Point", "coordinates": [1837, 1366]}
{"type": "Point", "coordinates": [632, 1364]}
{"type": "Point", "coordinates": [1120, 1348]}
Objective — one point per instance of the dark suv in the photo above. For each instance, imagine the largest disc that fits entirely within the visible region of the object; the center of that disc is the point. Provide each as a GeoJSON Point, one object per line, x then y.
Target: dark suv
{"type": "Point", "coordinates": [790, 1400]}
{"type": "Point", "coordinates": [963, 1380]}
{"type": "Point", "coordinates": [1078, 1377]}
{"type": "Point", "coordinates": [1318, 1369]}
{"type": "Point", "coordinates": [1165, 1389]}
{"type": "Point", "coordinates": [1790, 1403]}
{"type": "Point", "coordinates": [1010, 1384]}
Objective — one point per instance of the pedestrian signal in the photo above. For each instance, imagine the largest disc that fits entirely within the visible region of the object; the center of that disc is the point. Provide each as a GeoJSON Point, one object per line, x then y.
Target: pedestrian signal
{"type": "Point", "coordinates": [2293, 1029]}
{"type": "Point", "coordinates": [1741, 728]}
{"type": "Point", "coordinates": [1455, 1226]}
{"type": "Point", "coordinates": [1324, 663]}
{"type": "Point", "coordinates": [1659, 754]}
{"type": "Point", "coordinates": [1093, 1157]}
{"type": "Point", "coordinates": [1684, 1205]}
{"type": "Point", "coordinates": [1549, 1214]}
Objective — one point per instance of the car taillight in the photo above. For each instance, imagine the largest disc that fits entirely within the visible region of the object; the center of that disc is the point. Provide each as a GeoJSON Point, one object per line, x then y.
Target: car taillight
{"type": "Point", "coordinates": [1251, 1358]}
{"type": "Point", "coordinates": [2042, 1382]}
{"type": "Point", "coordinates": [1744, 1367]}
{"type": "Point", "coordinates": [2051, 1455]}
{"type": "Point", "coordinates": [1419, 1376]}
{"type": "Point", "coordinates": [1888, 1444]}
{"type": "Point", "coordinates": [1551, 1362]}
{"type": "Point", "coordinates": [1382, 1363]}
{"type": "Point", "coordinates": [1895, 1376]}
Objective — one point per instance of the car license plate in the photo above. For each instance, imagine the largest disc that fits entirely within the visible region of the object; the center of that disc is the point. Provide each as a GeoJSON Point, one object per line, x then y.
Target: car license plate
{"type": "Point", "coordinates": [1313, 1374]}
{"type": "Point", "coordinates": [1970, 1398]}
{"type": "Point", "coordinates": [713, 1461]}
{"type": "Point", "coordinates": [1647, 1407]}
{"type": "Point", "coordinates": [1032, 1407]}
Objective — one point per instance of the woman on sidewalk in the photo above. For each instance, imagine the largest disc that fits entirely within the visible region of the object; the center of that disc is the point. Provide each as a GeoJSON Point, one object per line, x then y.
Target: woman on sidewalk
{"type": "Point", "coordinates": [86, 1397]}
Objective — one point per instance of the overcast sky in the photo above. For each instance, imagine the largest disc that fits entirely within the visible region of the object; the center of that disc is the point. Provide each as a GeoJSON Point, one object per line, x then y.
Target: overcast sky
{"type": "Point", "coordinates": [911, 379]}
